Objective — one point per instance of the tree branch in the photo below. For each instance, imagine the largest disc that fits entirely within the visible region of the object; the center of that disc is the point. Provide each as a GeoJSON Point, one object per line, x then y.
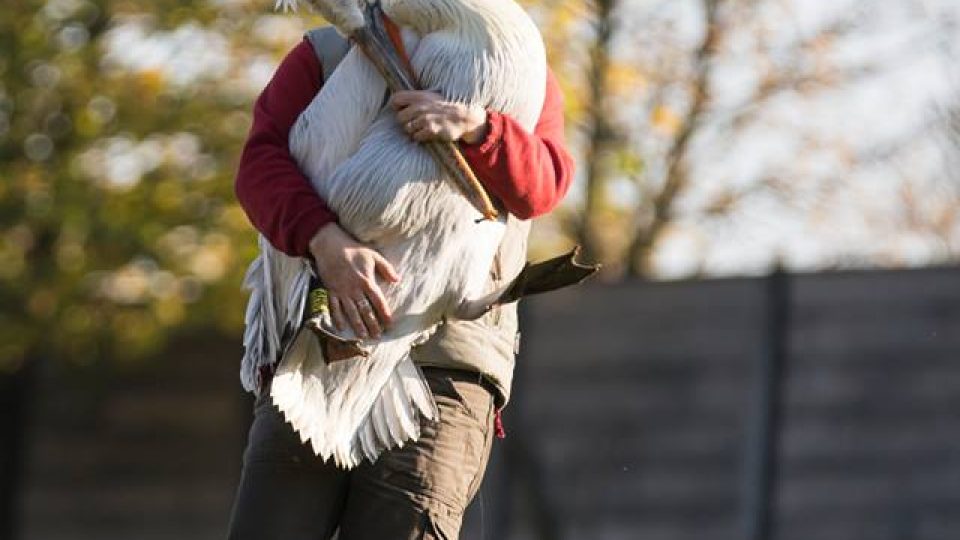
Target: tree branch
{"type": "Point", "coordinates": [677, 173]}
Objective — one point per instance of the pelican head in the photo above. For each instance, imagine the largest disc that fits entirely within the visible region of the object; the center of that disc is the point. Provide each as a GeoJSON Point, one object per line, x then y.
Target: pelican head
{"type": "Point", "coordinates": [345, 15]}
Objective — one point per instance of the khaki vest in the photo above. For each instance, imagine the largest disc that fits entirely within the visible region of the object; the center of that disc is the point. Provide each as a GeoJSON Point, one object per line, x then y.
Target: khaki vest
{"type": "Point", "coordinates": [487, 345]}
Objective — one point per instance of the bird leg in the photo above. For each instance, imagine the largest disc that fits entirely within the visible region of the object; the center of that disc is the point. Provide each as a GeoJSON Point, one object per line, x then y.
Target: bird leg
{"type": "Point", "coordinates": [334, 347]}
{"type": "Point", "coordinates": [541, 277]}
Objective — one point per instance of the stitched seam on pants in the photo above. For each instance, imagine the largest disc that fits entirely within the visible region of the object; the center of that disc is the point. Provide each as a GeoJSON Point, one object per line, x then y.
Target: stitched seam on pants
{"type": "Point", "coordinates": [484, 455]}
{"type": "Point", "coordinates": [431, 525]}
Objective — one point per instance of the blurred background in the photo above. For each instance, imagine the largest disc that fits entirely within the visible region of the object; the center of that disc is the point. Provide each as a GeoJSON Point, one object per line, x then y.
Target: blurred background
{"type": "Point", "coordinates": [773, 187]}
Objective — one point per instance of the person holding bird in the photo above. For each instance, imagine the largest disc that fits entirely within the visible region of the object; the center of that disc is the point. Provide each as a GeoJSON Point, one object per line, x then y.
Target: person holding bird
{"type": "Point", "coordinates": [338, 180]}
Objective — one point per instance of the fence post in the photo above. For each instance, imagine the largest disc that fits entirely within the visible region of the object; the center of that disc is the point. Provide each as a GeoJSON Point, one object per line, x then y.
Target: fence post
{"type": "Point", "coordinates": [761, 463]}
{"type": "Point", "coordinates": [17, 390]}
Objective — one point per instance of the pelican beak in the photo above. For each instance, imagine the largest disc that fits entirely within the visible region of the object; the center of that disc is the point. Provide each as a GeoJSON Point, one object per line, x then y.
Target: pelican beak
{"type": "Point", "coordinates": [374, 40]}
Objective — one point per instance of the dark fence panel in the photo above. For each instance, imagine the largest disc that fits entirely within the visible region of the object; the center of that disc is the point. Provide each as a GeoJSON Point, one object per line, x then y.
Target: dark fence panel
{"type": "Point", "coordinates": [635, 402]}
{"type": "Point", "coordinates": [634, 417]}
{"type": "Point", "coordinates": [871, 442]}
{"type": "Point", "coordinates": [639, 402]}
{"type": "Point", "coordinates": [137, 452]}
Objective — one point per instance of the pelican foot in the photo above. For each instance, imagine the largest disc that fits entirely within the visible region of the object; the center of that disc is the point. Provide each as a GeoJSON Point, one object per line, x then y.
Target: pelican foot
{"type": "Point", "coordinates": [549, 275]}
{"type": "Point", "coordinates": [334, 347]}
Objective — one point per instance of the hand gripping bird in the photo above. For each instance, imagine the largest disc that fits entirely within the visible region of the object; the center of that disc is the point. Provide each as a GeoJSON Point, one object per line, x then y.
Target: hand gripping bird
{"type": "Point", "coordinates": [417, 204]}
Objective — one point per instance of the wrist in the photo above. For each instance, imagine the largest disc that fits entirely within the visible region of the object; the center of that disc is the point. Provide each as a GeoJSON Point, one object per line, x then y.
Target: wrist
{"type": "Point", "coordinates": [320, 237]}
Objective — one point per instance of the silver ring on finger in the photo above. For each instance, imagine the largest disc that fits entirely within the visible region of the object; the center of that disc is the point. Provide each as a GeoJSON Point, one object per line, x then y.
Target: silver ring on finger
{"type": "Point", "coordinates": [364, 305]}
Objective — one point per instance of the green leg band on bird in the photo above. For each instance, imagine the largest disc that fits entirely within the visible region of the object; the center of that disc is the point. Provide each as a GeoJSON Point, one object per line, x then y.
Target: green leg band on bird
{"type": "Point", "coordinates": [334, 347]}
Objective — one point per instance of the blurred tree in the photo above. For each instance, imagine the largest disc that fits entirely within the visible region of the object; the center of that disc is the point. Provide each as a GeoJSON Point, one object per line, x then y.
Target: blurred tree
{"type": "Point", "coordinates": [926, 207]}
{"type": "Point", "coordinates": [120, 124]}
{"type": "Point", "coordinates": [672, 98]}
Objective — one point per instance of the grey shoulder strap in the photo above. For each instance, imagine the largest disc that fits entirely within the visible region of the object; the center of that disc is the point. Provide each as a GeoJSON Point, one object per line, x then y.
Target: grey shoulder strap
{"type": "Point", "coordinates": [329, 46]}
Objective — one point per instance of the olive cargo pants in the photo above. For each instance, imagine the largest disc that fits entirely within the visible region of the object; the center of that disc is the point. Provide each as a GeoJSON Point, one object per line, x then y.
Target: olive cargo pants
{"type": "Point", "coordinates": [419, 491]}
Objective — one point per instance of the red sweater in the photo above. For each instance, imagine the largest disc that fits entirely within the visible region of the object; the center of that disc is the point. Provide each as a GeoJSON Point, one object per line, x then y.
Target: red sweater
{"type": "Point", "coordinates": [529, 173]}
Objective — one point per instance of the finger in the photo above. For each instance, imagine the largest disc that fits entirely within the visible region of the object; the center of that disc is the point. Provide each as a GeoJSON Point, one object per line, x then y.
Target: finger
{"type": "Point", "coordinates": [406, 114]}
{"type": "Point", "coordinates": [384, 268]}
{"type": "Point", "coordinates": [423, 135]}
{"type": "Point", "coordinates": [431, 132]}
{"type": "Point", "coordinates": [369, 317]}
{"type": "Point", "coordinates": [420, 124]}
{"type": "Point", "coordinates": [353, 315]}
{"type": "Point", "coordinates": [413, 112]}
{"type": "Point", "coordinates": [444, 133]}
{"type": "Point", "coordinates": [336, 313]}
{"type": "Point", "coordinates": [402, 98]}
{"type": "Point", "coordinates": [431, 118]}
{"type": "Point", "coordinates": [411, 126]}
{"type": "Point", "coordinates": [379, 301]}
{"type": "Point", "coordinates": [423, 130]}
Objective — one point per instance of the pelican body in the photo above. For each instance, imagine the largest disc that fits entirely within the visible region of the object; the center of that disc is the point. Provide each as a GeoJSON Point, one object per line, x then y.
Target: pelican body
{"type": "Point", "coordinates": [392, 194]}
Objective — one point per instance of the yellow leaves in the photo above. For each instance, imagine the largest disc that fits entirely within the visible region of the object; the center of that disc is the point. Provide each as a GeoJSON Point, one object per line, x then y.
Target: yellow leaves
{"type": "Point", "coordinates": [630, 163]}
{"type": "Point", "coordinates": [169, 311]}
{"type": "Point", "coordinates": [664, 119]}
{"type": "Point", "coordinates": [42, 303]}
{"type": "Point", "coordinates": [12, 263]}
{"type": "Point", "coordinates": [128, 285]}
{"type": "Point", "coordinates": [179, 242]}
{"type": "Point", "coordinates": [77, 320]}
{"type": "Point", "coordinates": [210, 262]}
{"type": "Point", "coordinates": [168, 196]}
{"type": "Point", "coordinates": [86, 125]}
{"type": "Point", "coordinates": [234, 218]}
{"type": "Point", "coordinates": [208, 257]}
{"type": "Point", "coordinates": [625, 80]}
{"type": "Point", "coordinates": [71, 256]}
{"type": "Point", "coordinates": [574, 99]}
{"type": "Point", "coordinates": [567, 16]}
{"type": "Point", "coordinates": [21, 237]}
{"type": "Point", "coordinates": [14, 244]}
{"type": "Point", "coordinates": [89, 120]}
{"type": "Point", "coordinates": [151, 80]}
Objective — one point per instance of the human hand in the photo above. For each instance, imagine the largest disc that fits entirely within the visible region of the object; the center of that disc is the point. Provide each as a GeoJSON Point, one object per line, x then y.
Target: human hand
{"type": "Point", "coordinates": [349, 270]}
{"type": "Point", "coordinates": [427, 117]}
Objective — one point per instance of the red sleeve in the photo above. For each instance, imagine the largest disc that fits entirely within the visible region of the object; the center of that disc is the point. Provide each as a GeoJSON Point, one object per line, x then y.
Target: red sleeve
{"type": "Point", "coordinates": [529, 173]}
{"type": "Point", "coordinates": [276, 196]}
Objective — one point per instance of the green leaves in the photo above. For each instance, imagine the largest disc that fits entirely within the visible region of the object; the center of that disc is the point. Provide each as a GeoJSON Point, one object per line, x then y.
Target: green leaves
{"type": "Point", "coordinates": [118, 222]}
